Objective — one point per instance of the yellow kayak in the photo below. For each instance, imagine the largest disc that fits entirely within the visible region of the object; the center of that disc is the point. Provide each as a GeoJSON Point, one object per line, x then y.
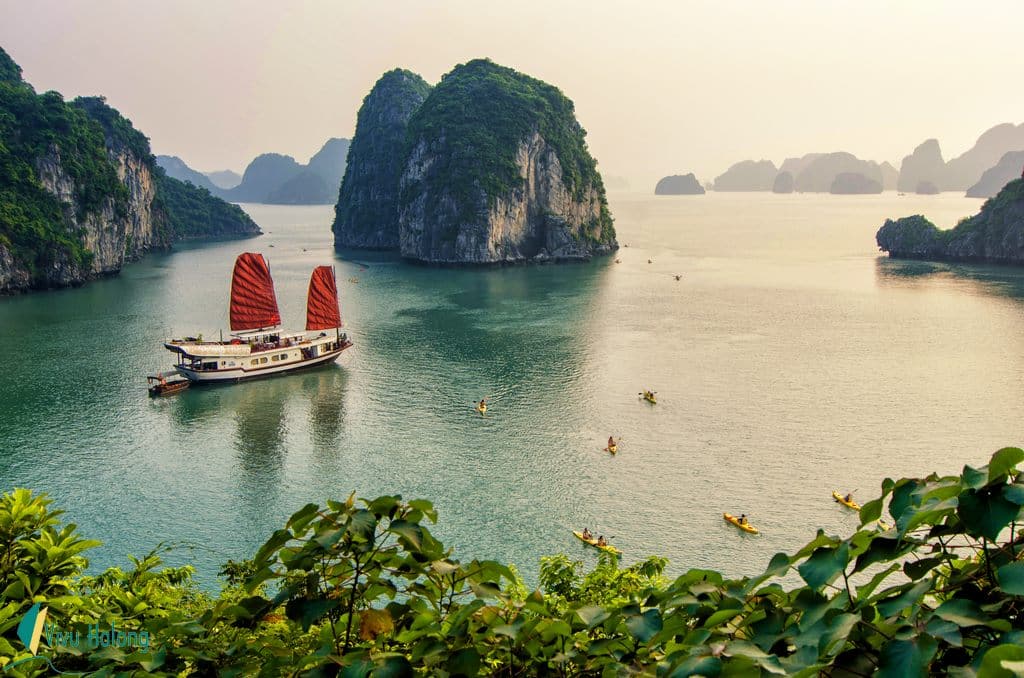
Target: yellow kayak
{"type": "Point", "coordinates": [746, 527]}
{"type": "Point", "coordinates": [481, 408]}
{"type": "Point", "coordinates": [842, 500]}
{"type": "Point", "coordinates": [612, 448]}
{"type": "Point", "coordinates": [593, 542]}
{"type": "Point", "coordinates": [650, 397]}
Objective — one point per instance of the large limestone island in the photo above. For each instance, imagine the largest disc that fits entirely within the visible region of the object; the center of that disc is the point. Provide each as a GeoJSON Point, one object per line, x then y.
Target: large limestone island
{"type": "Point", "coordinates": [81, 194]}
{"type": "Point", "coordinates": [996, 234]}
{"type": "Point", "coordinates": [490, 166]}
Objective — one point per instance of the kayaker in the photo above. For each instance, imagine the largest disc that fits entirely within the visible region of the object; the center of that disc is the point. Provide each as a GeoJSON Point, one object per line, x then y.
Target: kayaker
{"type": "Point", "coordinates": [611, 442]}
{"type": "Point", "coordinates": [483, 402]}
{"type": "Point", "coordinates": [587, 534]}
{"type": "Point", "coordinates": [848, 498]}
{"type": "Point", "coordinates": [601, 541]}
{"type": "Point", "coordinates": [743, 519]}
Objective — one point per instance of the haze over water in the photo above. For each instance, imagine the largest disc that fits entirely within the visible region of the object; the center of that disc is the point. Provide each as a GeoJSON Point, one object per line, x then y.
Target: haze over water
{"type": "Point", "coordinates": [789, 360]}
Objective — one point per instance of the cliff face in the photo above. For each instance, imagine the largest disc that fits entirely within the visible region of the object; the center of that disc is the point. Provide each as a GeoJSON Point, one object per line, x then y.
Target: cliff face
{"type": "Point", "coordinates": [854, 183]}
{"type": "Point", "coordinates": [366, 215]}
{"type": "Point", "coordinates": [499, 172]}
{"type": "Point", "coordinates": [820, 174]}
{"type": "Point", "coordinates": [542, 220]}
{"type": "Point", "coordinates": [1009, 167]}
{"type": "Point", "coordinates": [924, 164]}
{"type": "Point", "coordinates": [996, 234]}
{"type": "Point", "coordinates": [80, 192]}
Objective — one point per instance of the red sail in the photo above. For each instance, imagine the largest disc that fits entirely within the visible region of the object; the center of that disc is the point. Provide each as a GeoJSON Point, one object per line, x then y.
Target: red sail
{"type": "Point", "coordinates": [322, 311]}
{"type": "Point", "coordinates": [253, 302]}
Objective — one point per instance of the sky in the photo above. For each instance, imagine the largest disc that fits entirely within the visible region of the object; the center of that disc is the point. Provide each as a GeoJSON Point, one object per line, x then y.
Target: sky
{"type": "Point", "coordinates": [661, 87]}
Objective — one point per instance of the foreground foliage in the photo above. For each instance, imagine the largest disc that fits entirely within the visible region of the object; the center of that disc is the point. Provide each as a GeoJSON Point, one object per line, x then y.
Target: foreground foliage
{"type": "Point", "coordinates": [360, 588]}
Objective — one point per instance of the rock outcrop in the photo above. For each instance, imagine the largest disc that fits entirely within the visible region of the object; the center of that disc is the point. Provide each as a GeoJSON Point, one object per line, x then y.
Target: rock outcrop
{"type": "Point", "coordinates": [819, 174]}
{"type": "Point", "coordinates": [318, 182]}
{"type": "Point", "coordinates": [890, 176]}
{"type": "Point", "coordinates": [366, 214]}
{"type": "Point", "coordinates": [176, 168]}
{"type": "Point", "coordinates": [965, 170]}
{"type": "Point", "coordinates": [783, 183]}
{"type": "Point", "coordinates": [1009, 167]}
{"type": "Point", "coordinates": [679, 184]}
{"type": "Point", "coordinates": [499, 172]}
{"type": "Point", "coordinates": [854, 183]}
{"type": "Point", "coordinates": [80, 192]}
{"type": "Point", "coordinates": [995, 234]}
{"type": "Point", "coordinates": [224, 179]}
{"type": "Point", "coordinates": [924, 164]}
{"type": "Point", "coordinates": [926, 188]}
{"type": "Point", "coordinates": [264, 174]}
{"type": "Point", "coordinates": [747, 175]}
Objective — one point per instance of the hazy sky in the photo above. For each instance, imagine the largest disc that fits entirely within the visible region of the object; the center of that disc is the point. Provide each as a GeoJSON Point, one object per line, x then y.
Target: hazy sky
{"type": "Point", "coordinates": [662, 87]}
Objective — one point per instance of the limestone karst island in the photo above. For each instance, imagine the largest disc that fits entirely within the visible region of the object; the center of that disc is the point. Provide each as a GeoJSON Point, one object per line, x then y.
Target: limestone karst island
{"type": "Point", "coordinates": [448, 339]}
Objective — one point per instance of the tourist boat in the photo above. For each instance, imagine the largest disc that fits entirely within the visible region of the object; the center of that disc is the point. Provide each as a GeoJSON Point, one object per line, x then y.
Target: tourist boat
{"type": "Point", "coordinates": [164, 383]}
{"type": "Point", "coordinates": [258, 346]}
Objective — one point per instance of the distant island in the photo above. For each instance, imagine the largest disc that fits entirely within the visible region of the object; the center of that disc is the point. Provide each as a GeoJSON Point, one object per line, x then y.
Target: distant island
{"type": "Point", "coordinates": [962, 173]}
{"type": "Point", "coordinates": [811, 173]}
{"type": "Point", "coordinates": [81, 194]}
{"type": "Point", "coordinates": [679, 184]}
{"type": "Point", "coordinates": [273, 178]}
{"type": "Point", "coordinates": [1009, 167]}
{"type": "Point", "coordinates": [854, 183]}
{"type": "Point", "coordinates": [748, 175]}
{"type": "Point", "coordinates": [489, 166]}
{"type": "Point", "coordinates": [995, 234]}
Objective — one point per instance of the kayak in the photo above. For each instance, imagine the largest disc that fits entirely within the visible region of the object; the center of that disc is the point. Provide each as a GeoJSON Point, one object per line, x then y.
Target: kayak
{"type": "Point", "coordinates": [481, 408]}
{"type": "Point", "coordinates": [736, 521]}
{"type": "Point", "coordinates": [842, 500]}
{"type": "Point", "coordinates": [650, 397]}
{"type": "Point", "coordinates": [593, 542]}
{"type": "Point", "coordinates": [612, 448]}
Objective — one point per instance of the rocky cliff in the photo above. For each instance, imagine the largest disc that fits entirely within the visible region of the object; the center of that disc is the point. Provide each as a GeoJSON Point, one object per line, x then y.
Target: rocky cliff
{"type": "Point", "coordinates": [176, 168]}
{"type": "Point", "coordinates": [1009, 167]}
{"type": "Point", "coordinates": [747, 175]}
{"type": "Point", "coordinates": [820, 173]}
{"type": "Point", "coordinates": [854, 183]}
{"type": "Point", "coordinates": [366, 214]}
{"type": "Point", "coordinates": [79, 190]}
{"type": "Point", "coordinates": [966, 169]}
{"type": "Point", "coordinates": [924, 164]}
{"type": "Point", "coordinates": [679, 184]}
{"type": "Point", "coordinates": [498, 171]}
{"type": "Point", "coordinates": [783, 183]}
{"type": "Point", "coordinates": [995, 234]}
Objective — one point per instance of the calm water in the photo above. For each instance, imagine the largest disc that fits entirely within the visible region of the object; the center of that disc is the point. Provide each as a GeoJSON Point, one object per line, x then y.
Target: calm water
{"type": "Point", "coordinates": [789, 360]}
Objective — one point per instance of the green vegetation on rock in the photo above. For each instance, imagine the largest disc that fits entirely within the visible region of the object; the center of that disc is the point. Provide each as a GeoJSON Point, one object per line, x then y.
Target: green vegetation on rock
{"type": "Point", "coordinates": [477, 116]}
{"type": "Point", "coordinates": [363, 588]}
{"type": "Point", "coordinates": [193, 212]}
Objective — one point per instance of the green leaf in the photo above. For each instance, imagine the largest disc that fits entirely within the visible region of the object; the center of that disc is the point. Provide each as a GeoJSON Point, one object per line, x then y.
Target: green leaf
{"type": "Point", "coordinates": [465, 662]}
{"type": "Point", "coordinates": [644, 626]}
{"type": "Point", "coordinates": [721, 616]}
{"type": "Point", "coordinates": [992, 663]}
{"type": "Point", "coordinates": [1011, 578]}
{"type": "Point", "coordinates": [870, 511]}
{"type": "Point", "coordinates": [698, 666]}
{"type": "Point", "coordinates": [307, 612]}
{"type": "Point", "coordinates": [412, 532]}
{"type": "Point", "coordinates": [915, 569]}
{"type": "Point", "coordinates": [945, 630]}
{"type": "Point", "coordinates": [1004, 461]}
{"type": "Point", "coordinates": [742, 648]}
{"type": "Point", "coordinates": [902, 497]}
{"type": "Point", "coordinates": [910, 595]}
{"type": "Point", "coordinates": [901, 659]}
{"type": "Point", "coordinates": [592, 615]}
{"type": "Point", "coordinates": [1014, 493]}
{"type": "Point", "coordinates": [962, 612]}
{"type": "Point", "coordinates": [392, 666]}
{"type": "Point", "coordinates": [973, 478]}
{"type": "Point", "coordinates": [985, 512]}
{"type": "Point", "coordinates": [824, 565]}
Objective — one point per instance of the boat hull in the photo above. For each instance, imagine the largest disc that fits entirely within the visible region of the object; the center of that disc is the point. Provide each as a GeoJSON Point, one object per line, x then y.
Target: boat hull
{"type": "Point", "coordinates": [242, 373]}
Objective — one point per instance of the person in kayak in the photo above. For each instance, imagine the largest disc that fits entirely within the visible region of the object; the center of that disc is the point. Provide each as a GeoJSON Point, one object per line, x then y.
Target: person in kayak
{"type": "Point", "coordinates": [601, 541]}
{"type": "Point", "coordinates": [611, 442]}
{"type": "Point", "coordinates": [586, 534]}
{"type": "Point", "coordinates": [743, 519]}
{"type": "Point", "coordinates": [848, 498]}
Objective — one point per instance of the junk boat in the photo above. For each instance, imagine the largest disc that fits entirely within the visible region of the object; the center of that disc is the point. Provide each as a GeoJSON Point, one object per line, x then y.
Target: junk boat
{"type": "Point", "coordinates": [258, 346]}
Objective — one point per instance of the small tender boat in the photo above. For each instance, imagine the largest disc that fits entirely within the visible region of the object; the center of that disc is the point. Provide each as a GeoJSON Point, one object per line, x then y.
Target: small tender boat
{"type": "Point", "coordinates": [593, 542]}
{"type": "Point", "coordinates": [842, 500]}
{"type": "Point", "coordinates": [164, 384]}
{"type": "Point", "coordinates": [746, 527]}
{"type": "Point", "coordinates": [258, 347]}
{"type": "Point", "coordinates": [651, 397]}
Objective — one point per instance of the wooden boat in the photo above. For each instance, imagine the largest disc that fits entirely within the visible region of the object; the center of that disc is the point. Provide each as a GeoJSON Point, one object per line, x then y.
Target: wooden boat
{"type": "Point", "coordinates": [258, 346]}
{"type": "Point", "coordinates": [164, 384]}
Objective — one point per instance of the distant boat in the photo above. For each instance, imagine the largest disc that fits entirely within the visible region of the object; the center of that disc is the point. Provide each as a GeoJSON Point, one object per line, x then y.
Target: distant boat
{"type": "Point", "coordinates": [259, 347]}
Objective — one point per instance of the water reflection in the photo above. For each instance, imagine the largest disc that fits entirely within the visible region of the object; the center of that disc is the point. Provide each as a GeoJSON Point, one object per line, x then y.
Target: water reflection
{"type": "Point", "coordinates": [326, 405]}
{"type": "Point", "coordinates": [988, 279]}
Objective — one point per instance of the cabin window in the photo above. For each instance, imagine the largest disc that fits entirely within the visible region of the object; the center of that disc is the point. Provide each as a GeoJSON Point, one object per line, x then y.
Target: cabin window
{"type": "Point", "coordinates": [263, 360]}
